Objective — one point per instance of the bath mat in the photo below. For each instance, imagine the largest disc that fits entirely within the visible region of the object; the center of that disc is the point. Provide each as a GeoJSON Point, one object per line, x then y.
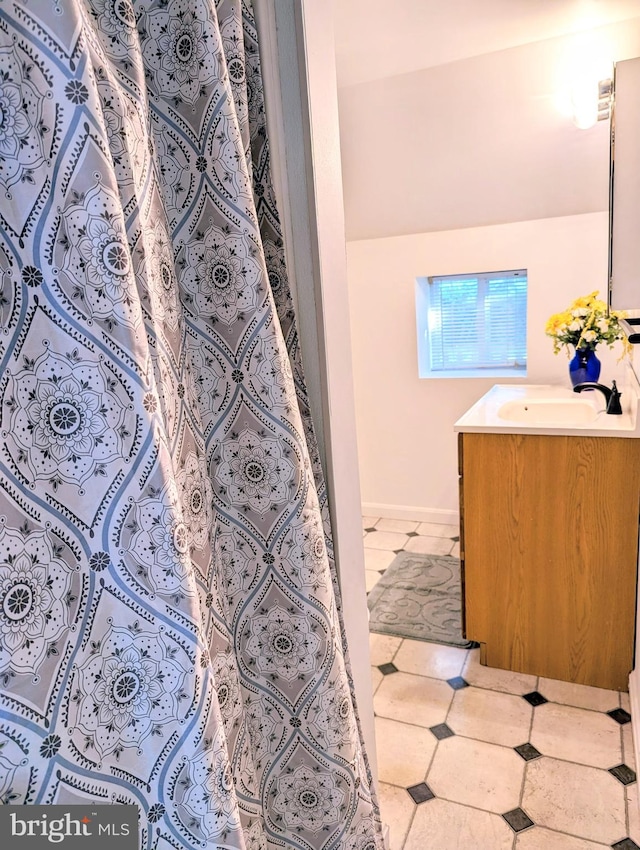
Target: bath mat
{"type": "Point", "coordinates": [419, 597]}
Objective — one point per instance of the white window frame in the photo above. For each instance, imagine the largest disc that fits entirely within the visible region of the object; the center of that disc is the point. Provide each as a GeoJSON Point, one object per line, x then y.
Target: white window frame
{"type": "Point", "coordinates": [423, 289]}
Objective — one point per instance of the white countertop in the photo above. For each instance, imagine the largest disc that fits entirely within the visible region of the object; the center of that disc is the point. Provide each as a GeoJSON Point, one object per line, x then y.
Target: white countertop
{"type": "Point", "coordinates": [484, 416]}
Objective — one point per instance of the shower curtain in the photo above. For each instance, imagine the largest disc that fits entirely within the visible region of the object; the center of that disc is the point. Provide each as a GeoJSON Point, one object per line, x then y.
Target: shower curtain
{"type": "Point", "coordinates": [170, 627]}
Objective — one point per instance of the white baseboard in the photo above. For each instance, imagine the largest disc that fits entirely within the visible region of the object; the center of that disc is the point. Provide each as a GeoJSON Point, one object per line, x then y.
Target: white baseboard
{"type": "Point", "coordinates": [375, 509]}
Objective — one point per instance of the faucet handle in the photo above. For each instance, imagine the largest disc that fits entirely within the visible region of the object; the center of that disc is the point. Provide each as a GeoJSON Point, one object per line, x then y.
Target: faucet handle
{"type": "Point", "coordinates": [613, 405]}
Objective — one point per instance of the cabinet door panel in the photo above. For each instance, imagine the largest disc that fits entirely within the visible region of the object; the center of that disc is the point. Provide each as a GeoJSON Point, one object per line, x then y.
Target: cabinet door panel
{"type": "Point", "coordinates": [551, 534]}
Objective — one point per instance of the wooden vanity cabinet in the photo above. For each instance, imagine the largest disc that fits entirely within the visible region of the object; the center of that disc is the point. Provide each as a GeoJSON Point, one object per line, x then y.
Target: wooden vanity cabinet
{"type": "Point", "coordinates": [549, 552]}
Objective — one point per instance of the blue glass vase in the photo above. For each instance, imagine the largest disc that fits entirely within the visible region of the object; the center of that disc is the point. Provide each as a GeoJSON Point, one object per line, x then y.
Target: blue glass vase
{"type": "Point", "coordinates": [584, 366]}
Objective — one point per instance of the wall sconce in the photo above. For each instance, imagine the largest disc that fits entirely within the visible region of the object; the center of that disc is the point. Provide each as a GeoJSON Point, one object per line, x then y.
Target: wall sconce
{"type": "Point", "coordinates": [591, 102]}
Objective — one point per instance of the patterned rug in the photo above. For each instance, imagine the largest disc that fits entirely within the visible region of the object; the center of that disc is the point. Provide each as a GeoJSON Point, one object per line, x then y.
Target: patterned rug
{"type": "Point", "coordinates": [419, 597]}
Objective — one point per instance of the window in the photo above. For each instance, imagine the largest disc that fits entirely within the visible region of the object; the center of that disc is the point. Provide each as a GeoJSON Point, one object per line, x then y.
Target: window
{"type": "Point", "coordinates": [472, 325]}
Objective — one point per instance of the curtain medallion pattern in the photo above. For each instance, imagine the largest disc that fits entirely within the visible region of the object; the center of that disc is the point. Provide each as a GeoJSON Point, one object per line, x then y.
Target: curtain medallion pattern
{"type": "Point", "coordinates": [170, 627]}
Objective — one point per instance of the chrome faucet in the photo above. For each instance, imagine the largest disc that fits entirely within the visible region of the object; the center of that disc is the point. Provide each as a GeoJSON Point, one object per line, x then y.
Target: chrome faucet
{"type": "Point", "coordinates": [612, 395]}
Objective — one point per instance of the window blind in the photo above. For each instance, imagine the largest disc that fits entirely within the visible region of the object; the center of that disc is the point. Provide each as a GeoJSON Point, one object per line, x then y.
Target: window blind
{"type": "Point", "coordinates": [478, 321]}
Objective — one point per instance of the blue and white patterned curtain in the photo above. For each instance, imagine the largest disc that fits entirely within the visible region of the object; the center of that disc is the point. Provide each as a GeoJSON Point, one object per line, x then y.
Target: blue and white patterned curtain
{"type": "Point", "coordinates": [170, 633]}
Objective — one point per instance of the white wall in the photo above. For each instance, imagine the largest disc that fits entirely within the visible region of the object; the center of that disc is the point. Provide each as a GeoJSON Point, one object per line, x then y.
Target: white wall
{"type": "Point", "coordinates": [479, 141]}
{"type": "Point", "coordinates": [406, 443]}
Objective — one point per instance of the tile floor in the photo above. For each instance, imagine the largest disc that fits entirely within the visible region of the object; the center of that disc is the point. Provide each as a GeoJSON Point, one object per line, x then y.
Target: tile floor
{"type": "Point", "coordinates": [473, 758]}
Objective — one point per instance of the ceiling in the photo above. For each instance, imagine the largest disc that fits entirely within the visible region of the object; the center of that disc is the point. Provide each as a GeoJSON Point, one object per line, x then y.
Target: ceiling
{"type": "Point", "coordinates": [378, 38]}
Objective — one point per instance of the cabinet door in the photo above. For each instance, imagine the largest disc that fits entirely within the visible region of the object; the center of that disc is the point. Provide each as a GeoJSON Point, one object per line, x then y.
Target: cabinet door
{"type": "Point", "coordinates": [551, 553]}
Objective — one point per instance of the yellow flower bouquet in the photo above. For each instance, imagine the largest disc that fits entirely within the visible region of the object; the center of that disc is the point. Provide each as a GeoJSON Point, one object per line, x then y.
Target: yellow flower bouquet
{"type": "Point", "coordinates": [585, 324]}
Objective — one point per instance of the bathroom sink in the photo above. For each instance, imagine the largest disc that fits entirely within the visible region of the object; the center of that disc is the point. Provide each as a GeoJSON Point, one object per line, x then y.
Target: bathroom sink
{"type": "Point", "coordinates": [549, 411]}
{"type": "Point", "coordinates": [554, 409]}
